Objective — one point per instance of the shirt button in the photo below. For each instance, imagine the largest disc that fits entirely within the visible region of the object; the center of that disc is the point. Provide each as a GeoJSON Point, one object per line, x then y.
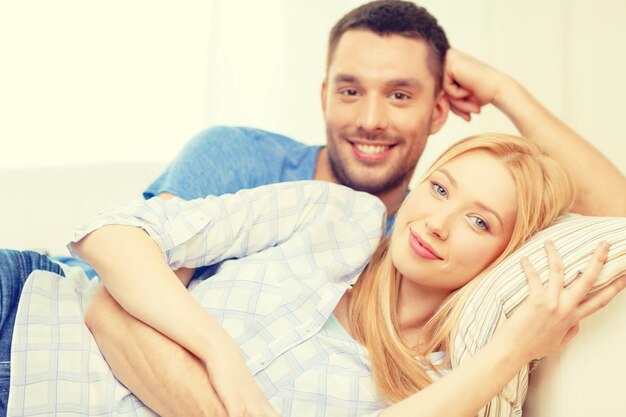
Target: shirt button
{"type": "Point", "coordinates": [263, 362]}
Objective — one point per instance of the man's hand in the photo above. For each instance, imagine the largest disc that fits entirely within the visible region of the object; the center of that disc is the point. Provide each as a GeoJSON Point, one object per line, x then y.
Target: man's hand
{"type": "Point", "coordinates": [470, 84]}
{"type": "Point", "coordinates": [236, 387]}
{"type": "Point", "coordinates": [165, 377]}
{"type": "Point", "coordinates": [168, 378]}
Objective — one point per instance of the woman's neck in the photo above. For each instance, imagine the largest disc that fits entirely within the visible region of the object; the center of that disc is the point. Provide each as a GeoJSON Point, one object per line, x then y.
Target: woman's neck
{"type": "Point", "coordinates": [416, 305]}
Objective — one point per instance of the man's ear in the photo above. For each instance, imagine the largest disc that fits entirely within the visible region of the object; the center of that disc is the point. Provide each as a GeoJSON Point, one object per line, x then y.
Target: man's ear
{"type": "Point", "coordinates": [323, 96]}
{"type": "Point", "coordinates": [440, 112]}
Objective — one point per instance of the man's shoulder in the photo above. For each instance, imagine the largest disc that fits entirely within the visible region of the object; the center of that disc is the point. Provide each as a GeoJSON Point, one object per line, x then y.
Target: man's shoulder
{"type": "Point", "coordinates": [248, 137]}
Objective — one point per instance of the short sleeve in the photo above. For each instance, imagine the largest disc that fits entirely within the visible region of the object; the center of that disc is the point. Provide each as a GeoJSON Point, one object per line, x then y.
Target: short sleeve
{"type": "Point", "coordinates": [222, 160]}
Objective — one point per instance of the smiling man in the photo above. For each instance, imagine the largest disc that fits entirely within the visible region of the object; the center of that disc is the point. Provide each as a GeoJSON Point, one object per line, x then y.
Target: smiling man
{"type": "Point", "coordinates": [381, 98]}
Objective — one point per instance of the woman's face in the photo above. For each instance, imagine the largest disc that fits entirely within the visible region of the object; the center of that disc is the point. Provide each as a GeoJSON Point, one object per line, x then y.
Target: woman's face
{"type": "Point", "coordinates": [455, 223]}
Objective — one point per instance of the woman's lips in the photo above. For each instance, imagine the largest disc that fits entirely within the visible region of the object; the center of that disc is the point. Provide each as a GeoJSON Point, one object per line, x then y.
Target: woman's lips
{"type": "Point", "coordinates": [421, 248]}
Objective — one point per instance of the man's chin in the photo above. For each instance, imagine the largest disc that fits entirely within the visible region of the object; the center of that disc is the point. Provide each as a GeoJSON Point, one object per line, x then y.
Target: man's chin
{"type": "Point", "coordinates": [372, 186]}
{"type": "Point", "coordinates": [368, 178]}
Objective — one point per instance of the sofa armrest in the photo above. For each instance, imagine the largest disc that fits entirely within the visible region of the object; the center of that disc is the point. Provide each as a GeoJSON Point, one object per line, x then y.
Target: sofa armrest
{"type": "Point", "coordinates": [41, 207]}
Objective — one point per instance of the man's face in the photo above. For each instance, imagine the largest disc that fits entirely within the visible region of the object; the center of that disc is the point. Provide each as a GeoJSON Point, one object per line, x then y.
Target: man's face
{"type": "Point", "coordinates": [380, 106]}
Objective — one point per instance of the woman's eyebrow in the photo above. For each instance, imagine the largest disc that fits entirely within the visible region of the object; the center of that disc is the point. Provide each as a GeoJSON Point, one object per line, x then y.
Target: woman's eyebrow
{"type": "Point", "coordinates": [490, 210]}
{"type": "Point", "coordinates": [450, 177]}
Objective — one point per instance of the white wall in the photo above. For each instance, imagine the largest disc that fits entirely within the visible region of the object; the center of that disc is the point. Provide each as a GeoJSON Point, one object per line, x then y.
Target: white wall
{"type": "Point", "coordinates": [85, 81]}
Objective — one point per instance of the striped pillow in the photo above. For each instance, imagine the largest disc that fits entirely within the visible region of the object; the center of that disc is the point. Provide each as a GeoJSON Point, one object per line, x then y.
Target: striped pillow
{"type": "Point", "coordinates": [505, 287]}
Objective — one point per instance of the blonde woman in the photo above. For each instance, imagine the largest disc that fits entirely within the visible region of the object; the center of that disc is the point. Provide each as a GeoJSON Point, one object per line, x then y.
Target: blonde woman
{"type": "Point", "coordinates": [298, 320]}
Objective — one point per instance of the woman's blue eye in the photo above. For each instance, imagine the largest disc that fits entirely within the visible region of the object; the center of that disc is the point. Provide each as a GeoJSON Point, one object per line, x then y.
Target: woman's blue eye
{"type": "Point", "coordinates": [439, 189]}
{"type": "Point", "coordinates": [481, 223]}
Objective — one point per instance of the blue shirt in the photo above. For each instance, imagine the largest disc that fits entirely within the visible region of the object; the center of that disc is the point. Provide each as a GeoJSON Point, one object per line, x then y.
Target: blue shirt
{"type": "Point", "coordinates": [224, 159]}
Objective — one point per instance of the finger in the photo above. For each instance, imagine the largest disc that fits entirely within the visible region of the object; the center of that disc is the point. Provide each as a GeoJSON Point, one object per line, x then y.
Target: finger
{"type": "Point", "coordinates": [463, 115]}
{"type": "Point", "coordinates": [455, 90]}
{"type": "Point", "coordinates": [464, 105]}
{"type": "Point", "coordinates": [474, 99]}
{"type": "Point", "coordinates": [583, 284]}
{"type": "Point", "coordinates": [534, 282]}
{"type": "Point", "coordinates": [555, 264]}
{"type": "Point", "coordinates": [571, 332]}
{"type": "Point", "coordinates": [600, 299]}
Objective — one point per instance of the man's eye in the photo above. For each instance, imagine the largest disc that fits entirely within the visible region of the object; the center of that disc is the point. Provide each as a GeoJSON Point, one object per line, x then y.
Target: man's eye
{"type": "Point", "coordinates": [400, 96]}
{"type": "Point", "coordinates": [439, 189]}
{"type": "Point", "coordinates": [349, 92]}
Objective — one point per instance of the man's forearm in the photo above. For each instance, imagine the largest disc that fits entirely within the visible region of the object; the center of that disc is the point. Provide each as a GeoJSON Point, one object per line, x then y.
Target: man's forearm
{"type": "Point", "coordinates": [471, 84]}
{"type": "Point", "coordinates": [601, 186]}
{"type": "Point", "coordinates": [165, 376]}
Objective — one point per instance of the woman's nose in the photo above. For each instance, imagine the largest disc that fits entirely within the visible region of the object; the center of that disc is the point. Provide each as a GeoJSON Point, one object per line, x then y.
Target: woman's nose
{"type": "Point", "coordinates": [437, 226]}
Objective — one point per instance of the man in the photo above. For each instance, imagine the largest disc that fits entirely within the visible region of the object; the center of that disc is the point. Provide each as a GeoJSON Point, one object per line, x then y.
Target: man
{"type": "Point", "coordinates": [384, 93]}
{"type": "Point", "coordinates": [378, 113]}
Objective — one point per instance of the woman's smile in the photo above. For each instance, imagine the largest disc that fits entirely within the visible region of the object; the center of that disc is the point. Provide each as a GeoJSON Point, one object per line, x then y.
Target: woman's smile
{"type": "Point", "coordinates": [421, 248]}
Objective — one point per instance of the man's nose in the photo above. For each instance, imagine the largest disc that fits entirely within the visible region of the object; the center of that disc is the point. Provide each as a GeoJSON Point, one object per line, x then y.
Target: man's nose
{"type": "Point", "coordinates": [372, 114]}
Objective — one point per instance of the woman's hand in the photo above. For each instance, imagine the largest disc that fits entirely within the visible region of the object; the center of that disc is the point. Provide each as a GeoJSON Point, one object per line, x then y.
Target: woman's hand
{"type": "Point", "coordinates": [234, 384]}
{"type": "Point", "coordinates": [548, 319]}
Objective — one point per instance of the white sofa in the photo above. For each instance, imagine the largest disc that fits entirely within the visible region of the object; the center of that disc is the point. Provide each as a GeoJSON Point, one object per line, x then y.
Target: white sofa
{"type": "Point", "coordinates": [41, 207]}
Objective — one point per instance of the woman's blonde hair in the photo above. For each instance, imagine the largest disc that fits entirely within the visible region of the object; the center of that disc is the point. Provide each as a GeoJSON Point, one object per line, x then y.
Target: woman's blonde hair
{"type": "Point", "coordinates": [544, 191]}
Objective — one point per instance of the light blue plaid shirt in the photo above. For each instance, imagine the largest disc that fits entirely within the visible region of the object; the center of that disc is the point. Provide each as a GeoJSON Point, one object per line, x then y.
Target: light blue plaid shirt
{"type": "Point", "coordinates": [288, 252]}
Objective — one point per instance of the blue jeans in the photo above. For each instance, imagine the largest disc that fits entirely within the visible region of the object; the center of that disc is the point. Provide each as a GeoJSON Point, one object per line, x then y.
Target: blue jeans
{"type": "Point", "coordinates": [15, 267]}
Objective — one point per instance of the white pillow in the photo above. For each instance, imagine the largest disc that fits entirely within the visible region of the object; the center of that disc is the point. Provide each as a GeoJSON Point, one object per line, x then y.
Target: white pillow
{"type": "Point", "coordinates": [505, 287]}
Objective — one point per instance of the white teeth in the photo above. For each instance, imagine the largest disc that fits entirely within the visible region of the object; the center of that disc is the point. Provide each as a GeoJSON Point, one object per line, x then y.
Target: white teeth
{"type": "Point", "coordinates": [371, 149]}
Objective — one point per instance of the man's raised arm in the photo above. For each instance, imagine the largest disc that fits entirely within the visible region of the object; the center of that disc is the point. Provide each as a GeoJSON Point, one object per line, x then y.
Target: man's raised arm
{"type": "Point", "coordinates": [470, 84]}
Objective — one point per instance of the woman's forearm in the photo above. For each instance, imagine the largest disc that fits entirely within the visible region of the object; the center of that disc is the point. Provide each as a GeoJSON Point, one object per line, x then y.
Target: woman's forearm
{"type": "Point", "coordinates": [541, 325]}
{"type": "Point", "coordinates": [135, 273]}
{"type": "Point", "coordinates": [464, 391]}
{"type": "Point", "coordinates": [137, 276]}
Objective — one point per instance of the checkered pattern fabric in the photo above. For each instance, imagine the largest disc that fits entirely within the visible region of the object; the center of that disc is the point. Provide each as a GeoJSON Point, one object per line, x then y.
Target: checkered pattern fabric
{"type": "Point", "coordinates": [288, 252]}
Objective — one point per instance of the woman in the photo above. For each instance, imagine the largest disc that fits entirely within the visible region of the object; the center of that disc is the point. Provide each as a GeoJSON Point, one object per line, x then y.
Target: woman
{"type": "Point", "coordinates": [481, 199]}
